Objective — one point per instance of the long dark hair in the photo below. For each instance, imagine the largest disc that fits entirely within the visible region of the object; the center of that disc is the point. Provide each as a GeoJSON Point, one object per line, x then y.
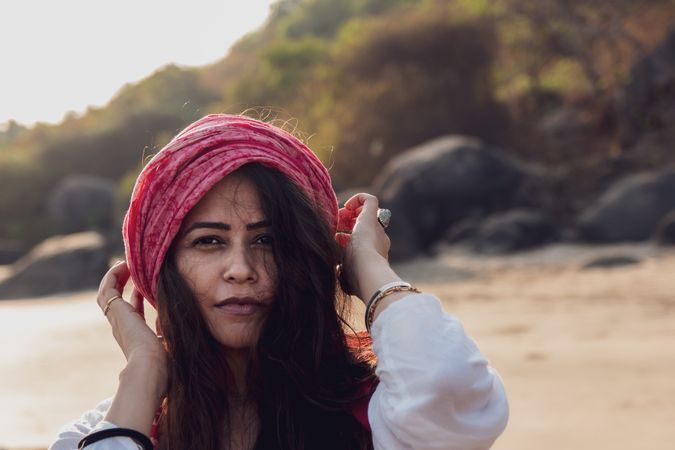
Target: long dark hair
{"type": "Point", "coordinates": [303, 376]}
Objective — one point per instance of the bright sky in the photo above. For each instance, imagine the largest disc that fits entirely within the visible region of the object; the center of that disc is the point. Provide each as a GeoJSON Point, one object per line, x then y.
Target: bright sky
{"type": "Point", "coordinates": [63, 55]}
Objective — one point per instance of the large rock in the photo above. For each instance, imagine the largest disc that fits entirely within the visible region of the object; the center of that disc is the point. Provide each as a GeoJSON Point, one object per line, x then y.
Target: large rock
{"type": "Point", "coordinates": [438, 183]}
{"type": "Point", "coordinates": [59, 264]}
{"type": "Point", "coordinates": [665, 230]}
{"type": "Point", "coordinates": [629, 210]}
{"type": "Point", "coordinates": [83, 202]}
{"type": "Point", "coordinates": [648, 116]}
{"type": "Point", "coordinates": [611, 262]}
{"type": "Point", "coordinates": [10, 251]}
{"type": "Point", "coordinates": [507, 232]}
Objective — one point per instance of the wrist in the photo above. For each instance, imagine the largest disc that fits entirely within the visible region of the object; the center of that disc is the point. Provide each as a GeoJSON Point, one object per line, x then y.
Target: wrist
{"type": "Point", "coordinates": [369, 257]}
{"type": "Point", "coordinates": [140, 392]}
{"type": "Point", "coordinates": [393, 291]}
{"type": "Point", "coordinates": [148, 358]}
{"type": "Point", "coordinates": [147, 377]}
{"type": "Point", "coordinates": [371, 274]}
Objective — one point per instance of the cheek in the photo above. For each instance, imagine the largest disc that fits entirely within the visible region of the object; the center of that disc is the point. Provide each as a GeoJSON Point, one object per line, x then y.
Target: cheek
{"type": "Point", "coordinates": [195, 273]}
{"type": "Point", "coordinates": [269, 271]}
{"type": "Point", "coordinates": [184, 262]}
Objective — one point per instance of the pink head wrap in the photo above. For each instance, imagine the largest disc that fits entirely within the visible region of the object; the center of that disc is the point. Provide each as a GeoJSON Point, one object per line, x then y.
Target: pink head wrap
{"type": "Point", "coordinates": [199, 157]}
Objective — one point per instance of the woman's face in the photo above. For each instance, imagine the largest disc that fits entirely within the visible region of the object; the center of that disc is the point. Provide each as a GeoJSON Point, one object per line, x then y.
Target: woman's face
{"type": "Point", "coordinates": [224, 253]}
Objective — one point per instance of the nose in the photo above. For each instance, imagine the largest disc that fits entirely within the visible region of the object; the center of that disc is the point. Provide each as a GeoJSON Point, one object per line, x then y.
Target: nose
{"type": "Point", "coordinates": [239, 267]}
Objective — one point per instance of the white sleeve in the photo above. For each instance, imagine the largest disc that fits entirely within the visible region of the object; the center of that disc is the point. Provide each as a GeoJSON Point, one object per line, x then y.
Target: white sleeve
{"type": "Point", "coordinates": [91, 421]}
{"type": "Point", "coordinates": [436, 390]}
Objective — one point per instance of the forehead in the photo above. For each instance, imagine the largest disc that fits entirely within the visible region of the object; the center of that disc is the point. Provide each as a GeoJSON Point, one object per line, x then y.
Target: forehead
{"type": "Point", "coordinates": [235, 196]}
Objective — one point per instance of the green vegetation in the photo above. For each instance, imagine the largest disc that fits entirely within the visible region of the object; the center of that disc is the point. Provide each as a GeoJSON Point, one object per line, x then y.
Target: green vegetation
{"type": "Point", "coordinates": [365, 79]}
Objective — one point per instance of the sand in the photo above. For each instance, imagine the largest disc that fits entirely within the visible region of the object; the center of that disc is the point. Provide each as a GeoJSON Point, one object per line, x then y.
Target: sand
{"type": "Point", "coordinates": [587, 356]}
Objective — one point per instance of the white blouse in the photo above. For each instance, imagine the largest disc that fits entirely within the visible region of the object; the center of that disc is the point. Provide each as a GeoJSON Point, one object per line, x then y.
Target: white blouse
{"type": "Point", "coordinates": [436, 390]}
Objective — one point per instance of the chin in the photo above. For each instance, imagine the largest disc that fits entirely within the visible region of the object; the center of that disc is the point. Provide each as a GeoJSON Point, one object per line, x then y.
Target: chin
{"type": "Point", "coordinates": [237, 339]}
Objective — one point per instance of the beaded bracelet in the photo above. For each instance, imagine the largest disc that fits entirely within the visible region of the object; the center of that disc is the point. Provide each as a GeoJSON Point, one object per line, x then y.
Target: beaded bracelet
{"type": "Point", "coordinates": [387, 289]}
{"type": "Point", "coordinates": [137, 436]}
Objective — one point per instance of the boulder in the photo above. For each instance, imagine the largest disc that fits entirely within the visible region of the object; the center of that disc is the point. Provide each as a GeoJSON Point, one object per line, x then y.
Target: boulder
{"type": "Point", "coordinates": [665, 230]}
{"type": "Point", "coordinates": [630, 209]}
{"type": "Point", "coordinates": [507, 232]}
{"type": "Point", "coordinates": [10, 251]}
{"type": "Point", "coordinates": [58, 264]}
{"type": "Point", "coordinates": [83, 202]}
{"type": "Point", "coordinates": [648, 101]}
{"type": "Point", "coordinates": [464, 230]}
{"type": "Point", "coordinates": [610, 262]}
{"type": "Point", "coordinates": [431, 186]}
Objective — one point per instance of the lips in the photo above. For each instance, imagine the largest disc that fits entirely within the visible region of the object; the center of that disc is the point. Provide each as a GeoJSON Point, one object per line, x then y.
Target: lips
{"type": "Point", "coordinates": [241, 306]}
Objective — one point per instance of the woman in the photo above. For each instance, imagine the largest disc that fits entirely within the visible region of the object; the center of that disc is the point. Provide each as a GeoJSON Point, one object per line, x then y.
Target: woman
{"type": "Point", "coordinates": [233, 233]}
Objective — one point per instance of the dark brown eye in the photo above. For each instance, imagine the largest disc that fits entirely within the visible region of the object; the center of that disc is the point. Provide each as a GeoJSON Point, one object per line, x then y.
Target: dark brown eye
{"type": "Point", "coordinates": [263, 239]}
{"type": "Point", "coordinates": [206, 241]}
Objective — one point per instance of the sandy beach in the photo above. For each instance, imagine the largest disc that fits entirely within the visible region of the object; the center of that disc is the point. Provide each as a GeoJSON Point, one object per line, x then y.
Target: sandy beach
{"type": "Point", "coordinates": [587, 356]}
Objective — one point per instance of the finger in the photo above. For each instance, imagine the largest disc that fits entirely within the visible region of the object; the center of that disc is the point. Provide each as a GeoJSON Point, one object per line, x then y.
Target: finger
{"type": "Point", "coordinates": [108, 277]}
{"type": "Point", "coordinates": [110, 283]}
{"type": "Point", "coordinates": [345, 214]}
{"type": "Point", "coordinates": [136, 301]}
{"type": "Point", "coordinates": [116, 277]}
{"type": "Point", "coordinates": [115, 306]}
{"type": "Point", "coordinates": [368, 210]}
{"type": "Point", "coordinates": [122, 273]}
{"type": "Point", "coordinates": [358, 200]}
{"type": "Point", "coordinates": [346, 219]}
{"type": "Point", "coordinates": [353, 202]}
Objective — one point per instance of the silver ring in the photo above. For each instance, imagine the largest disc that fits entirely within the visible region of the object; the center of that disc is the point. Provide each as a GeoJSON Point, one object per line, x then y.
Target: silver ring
{"type": "Point", "coordinates": [384, 217]}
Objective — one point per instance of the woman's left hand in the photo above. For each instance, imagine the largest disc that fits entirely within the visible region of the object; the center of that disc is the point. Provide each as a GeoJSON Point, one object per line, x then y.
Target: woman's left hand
{"type": "Point", "coordinates": [367, 245]}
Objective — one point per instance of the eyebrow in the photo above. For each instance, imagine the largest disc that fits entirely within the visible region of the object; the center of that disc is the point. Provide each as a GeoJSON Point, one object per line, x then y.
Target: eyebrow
{"type": "Point", "coordinates": [226, 226]}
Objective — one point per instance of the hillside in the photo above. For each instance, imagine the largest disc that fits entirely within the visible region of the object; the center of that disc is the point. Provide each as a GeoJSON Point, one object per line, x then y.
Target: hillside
{"type": "Point", "coordinates": [363, 80]}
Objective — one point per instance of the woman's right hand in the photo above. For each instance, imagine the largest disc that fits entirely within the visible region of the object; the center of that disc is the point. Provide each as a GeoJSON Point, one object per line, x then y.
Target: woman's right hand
{"type": "Point", "coordinates": [138, 341]}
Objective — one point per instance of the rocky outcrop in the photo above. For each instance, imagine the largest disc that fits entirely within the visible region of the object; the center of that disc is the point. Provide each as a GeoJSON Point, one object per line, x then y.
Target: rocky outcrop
{"type": "Point", "coordinates": [648, 104]}
{"type": "Point", "coordinates": [438, 183]}
{"type": "Point", "coordinates": [82, 203]}
{"type": "Point", "coordinates": [665, 230]}
{"type": "Point", "coordinates": [630, 209]}
{"type": "Point", "coordinates": [610, 262]}
{"type": "Point", "coordinates": [507, 232]}
{"type": "Point", "coordinates": [58, 264]}
{"type": "Point", "coordinates": [10, 251]}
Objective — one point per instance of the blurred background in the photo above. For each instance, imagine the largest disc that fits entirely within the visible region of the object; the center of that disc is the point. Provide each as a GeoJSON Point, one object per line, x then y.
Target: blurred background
{"type": "Point", "coordinates": [525, 149]}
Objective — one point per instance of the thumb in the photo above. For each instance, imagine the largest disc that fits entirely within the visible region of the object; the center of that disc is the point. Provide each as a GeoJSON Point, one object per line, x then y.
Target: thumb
{"type": "Point", "coordinates": [369, 210]}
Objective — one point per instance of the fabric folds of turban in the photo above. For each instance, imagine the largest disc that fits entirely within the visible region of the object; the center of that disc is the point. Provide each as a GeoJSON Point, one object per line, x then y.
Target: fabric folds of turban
{"type": "Point", "coordinates": [179, 175]}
